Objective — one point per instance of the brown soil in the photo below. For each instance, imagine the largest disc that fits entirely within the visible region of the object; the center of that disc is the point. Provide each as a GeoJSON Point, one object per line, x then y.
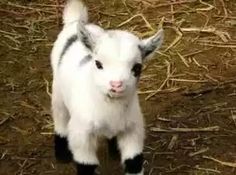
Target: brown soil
{"type": "Point", "coordinates": [200, 93]}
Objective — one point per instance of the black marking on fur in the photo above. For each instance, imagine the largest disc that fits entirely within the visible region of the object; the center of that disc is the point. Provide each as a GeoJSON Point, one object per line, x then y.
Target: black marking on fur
{"type": "Point", "coordinates": [147, 50]}
{"type": "Point", "coordinates": [86, 39]}
{"type": "Point", "coordinates": [85, 169]}
{"type": "Point", "coordinates": [135, 165]}
{"type": "Point", "coordinates": [62, 152]}
{"type": "Point", "coordinates": [137, 69]}
{"type": "Point", "coordinates": [113, 148]}
{"type": "Point", "coordinates": [85, 60]}
{"type": "Point", "coordinates": [69, 43]}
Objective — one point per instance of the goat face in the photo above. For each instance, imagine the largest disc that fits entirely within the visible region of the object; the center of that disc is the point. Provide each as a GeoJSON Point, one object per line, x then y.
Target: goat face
{"type": "Point", "coordinates": [117, 59]}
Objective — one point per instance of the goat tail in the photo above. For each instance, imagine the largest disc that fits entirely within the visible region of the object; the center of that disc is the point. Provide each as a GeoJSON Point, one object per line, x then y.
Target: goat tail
{"type": "Point", "coordinates": [75, 10]}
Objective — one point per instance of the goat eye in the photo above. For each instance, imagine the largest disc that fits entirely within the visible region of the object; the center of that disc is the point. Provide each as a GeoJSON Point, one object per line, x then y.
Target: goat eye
{"type": "Point", "coordinates": [137, 69]}
{"type": "Point", "coordinates": [98, 64]}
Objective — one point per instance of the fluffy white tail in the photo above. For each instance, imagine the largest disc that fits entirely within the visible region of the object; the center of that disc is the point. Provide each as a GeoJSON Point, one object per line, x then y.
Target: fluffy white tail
{"type": "Point", "coordinates": [75, 10]}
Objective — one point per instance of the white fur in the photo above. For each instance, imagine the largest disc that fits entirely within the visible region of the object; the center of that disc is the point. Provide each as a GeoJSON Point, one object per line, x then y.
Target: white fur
{"type": "Point", "coordinates": [83, 106]}
{"type": "Point", "coordinates": [74, 11]}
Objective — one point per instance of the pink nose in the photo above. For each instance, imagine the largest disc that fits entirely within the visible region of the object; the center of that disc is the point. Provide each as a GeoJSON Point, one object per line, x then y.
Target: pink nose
{"type": "Point", "coordinates": [116, 84]}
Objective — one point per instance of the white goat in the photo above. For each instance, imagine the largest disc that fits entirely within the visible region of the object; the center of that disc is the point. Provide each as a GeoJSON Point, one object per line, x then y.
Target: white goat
{"type": "Point", "coordinates": [95, 75]}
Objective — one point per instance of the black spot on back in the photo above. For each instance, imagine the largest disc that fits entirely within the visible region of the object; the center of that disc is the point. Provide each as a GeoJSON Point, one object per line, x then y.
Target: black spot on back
{"type": "Point", "coordinates": [69, 43]}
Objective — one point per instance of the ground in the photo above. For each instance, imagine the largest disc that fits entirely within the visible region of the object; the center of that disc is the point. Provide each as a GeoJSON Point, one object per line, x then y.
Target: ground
{"type": "Point", "coordinates": [187, 92]}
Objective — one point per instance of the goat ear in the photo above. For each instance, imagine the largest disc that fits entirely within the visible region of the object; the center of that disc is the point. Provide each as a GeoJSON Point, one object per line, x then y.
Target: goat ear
{"type": "Point", "coordinates": [85, 37]}
{"type": "Point", "coordinates": [149, 45]}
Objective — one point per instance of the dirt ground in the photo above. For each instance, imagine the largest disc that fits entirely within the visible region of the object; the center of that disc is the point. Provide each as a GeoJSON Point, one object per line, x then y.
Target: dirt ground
{"type": "Point", "coordinates": [187, 92]}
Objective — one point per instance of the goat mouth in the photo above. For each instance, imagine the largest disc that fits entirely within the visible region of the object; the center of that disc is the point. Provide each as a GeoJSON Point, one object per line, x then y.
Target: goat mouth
{"type": "Point", "coordinates": [114, 94]}
{"type": "Point", "coordinates": [120, 91]}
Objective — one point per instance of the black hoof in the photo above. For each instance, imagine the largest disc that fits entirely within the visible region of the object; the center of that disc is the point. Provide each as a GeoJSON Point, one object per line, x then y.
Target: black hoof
{"type": "Point", "coordinates": [113, 148]}
{"type": "Point", "coordinates": [62, 152]}
{"type": "Point", "coordinates": [85, 169]}
{"type": "Point", "coordinates": [134, 165]}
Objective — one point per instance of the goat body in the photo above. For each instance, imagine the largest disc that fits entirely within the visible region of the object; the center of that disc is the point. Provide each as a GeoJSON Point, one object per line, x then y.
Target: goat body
{"type": "Point", "coordinates": [95, 74]}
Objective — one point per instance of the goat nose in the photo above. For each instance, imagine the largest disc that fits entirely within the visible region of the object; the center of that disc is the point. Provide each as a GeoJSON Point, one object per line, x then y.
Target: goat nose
{"type": "Point", "coordinates": [116, 84]}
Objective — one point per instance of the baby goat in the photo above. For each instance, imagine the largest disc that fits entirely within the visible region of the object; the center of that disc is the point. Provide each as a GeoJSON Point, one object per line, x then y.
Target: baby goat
{"type": "Point", "coordinates": [94, 93]}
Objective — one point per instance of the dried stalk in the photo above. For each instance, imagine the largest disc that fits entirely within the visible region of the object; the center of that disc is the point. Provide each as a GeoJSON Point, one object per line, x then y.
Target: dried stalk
{"type": "Point", "coordinates": [170, 130]}
{"type": "Point", "coordinates": [223, 35]}
{"type": "Point", "coordinates": [230, 164]}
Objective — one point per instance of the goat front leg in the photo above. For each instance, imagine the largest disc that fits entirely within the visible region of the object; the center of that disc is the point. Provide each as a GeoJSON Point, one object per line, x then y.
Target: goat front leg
{"type": "Point", "coordinates": [113, 149]}
{"type": "Point", "coordinates": [83, 146]}
{"type": "Point", "coordinates": [60, 117]}
{"type": "Point", "coordinates": [131, 148]}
